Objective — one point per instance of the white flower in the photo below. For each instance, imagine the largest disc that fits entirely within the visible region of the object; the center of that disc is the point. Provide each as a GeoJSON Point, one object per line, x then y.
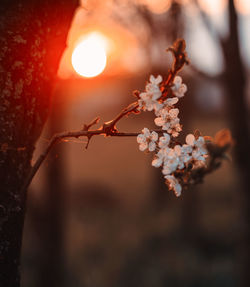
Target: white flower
{"type": "Point", "coordinates": [169, 121]}
{"type": "Point", "coordinates": [146, 102]}
{"type": "Point", "coordinates": [199, 152]}
{"type": "Point", "coordinates": [163, 152]}
{"type": "Point", "coordinates": [183, 153]}
{"type": "Point", "coordinates": [178, 88]}
{"type": "Point", "coordinates": [186, 153]}
{"type": "Point", "coordinates": [173, 184]}
{"type": "Point", "coordinates": [171, 162]}
{"type": "Point", "coordinates": [148, 99]}
{"type": "Point", "coordinates": [165, 117]}
{"type": "Point", "coordinates": [200, 144]}
{"type": "Point", "coordinates": [164, 141]}
{"type": "Point", "coordinates": [147, 140]}
{"type": "Point", "coordinates": [160, 157]}
{"type": "Point", "coordinates": [167, 103]}
{"type": "Point", "coordinates": [158, 107]}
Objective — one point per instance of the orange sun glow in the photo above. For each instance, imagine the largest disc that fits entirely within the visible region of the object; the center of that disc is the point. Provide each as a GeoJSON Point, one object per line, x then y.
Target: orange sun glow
{"type": "Point", "coordinates": [89, 57]}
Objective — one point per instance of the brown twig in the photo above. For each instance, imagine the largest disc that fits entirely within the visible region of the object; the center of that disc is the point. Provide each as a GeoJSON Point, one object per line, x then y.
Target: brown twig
{"type": "Point", "coordinates": [60, 136]}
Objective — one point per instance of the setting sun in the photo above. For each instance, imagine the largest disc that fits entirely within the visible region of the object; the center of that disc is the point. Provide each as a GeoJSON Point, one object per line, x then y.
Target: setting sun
{"type": "Point", "coordinates": [89, 57]}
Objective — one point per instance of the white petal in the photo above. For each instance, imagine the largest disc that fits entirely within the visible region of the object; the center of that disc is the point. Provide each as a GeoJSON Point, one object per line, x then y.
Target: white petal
{"type": "Point", "coordinates": [200, 142]}
{"type": "Point", "coordinates": [190, 139]}
{"type": "Point", "coordinates": [158, 80]}
{"type": "Point", "coordinates": [167, 137]}
{"type": "Point", "coordinates": [146, 132]}
{"type": "Point", "coordinates": [159, 121]}
{"type": "Point", "coordinates": [143, 96]}
{"type": "Point", "coordinates": [158, 106]}
{"type": "Point", "coordinates": [177, 80]}
{"type": "Point", "coordinates": [183, 88]}
{"type": "Point", "coordinates": [178, 150]}
{"type": "Point", "coordinates": [203, 151]}
{"type": "Point", "coordinates": [151, 146]}
{"type": "Point", "coordinates": [174, 113]}
{"type": "Point", "coordinates": [166, 170]}
{"type": "Point", "coordinates": [181, 165]}
{"type": "Point", "coordinates": [186, 158]}
{"type": "Point", "coordinates": [150, 106]}
{"type": "Point", "coordinates": [186, 149]}
{"type": "Point", "coordinates": [171, 101]}
{"type": "Point", "coordinates": [164, 142]}
{"type": "Point", "coordinates": [196, 154]}
{"type": "Point", "coordinates": [166, 126]}
{"type": "Point", "coordinates": [143, 146]}
{"type": "Point", "coordinates": [152, 79]}
{"type": "Point", "coordinates": [174, 184]}
{"type": "Point", "coordinates": [177, 189]}
{"type": "Point", "coordinates": [154, 136]}
{"type": "Point", "coordinates": [157, 162]}
{"type": "Point", "coordinates": [141, 138]}
{"type": "Point", "coordinates": [149, 88]}
{"type": "Point", "coordinates": [156, 95]}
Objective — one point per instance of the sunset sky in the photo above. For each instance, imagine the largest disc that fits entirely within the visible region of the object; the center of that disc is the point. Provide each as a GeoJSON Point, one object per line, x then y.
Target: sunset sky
{"type": "Point", "coordinates": [125, 41]}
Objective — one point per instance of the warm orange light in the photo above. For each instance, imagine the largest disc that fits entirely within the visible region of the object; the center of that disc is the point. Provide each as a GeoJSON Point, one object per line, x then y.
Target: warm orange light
{"type": "Point", "coordinates": [89, 57]}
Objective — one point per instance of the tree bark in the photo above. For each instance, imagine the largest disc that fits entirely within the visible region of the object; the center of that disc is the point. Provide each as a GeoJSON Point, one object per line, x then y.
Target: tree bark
{"type": "Point", "coordinates": [32, 40]}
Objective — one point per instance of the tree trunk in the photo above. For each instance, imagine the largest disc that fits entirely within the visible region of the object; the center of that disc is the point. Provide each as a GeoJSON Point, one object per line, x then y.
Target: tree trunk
{"type": "Point", "coordinates": [235, 84]}
{"type": "Point", "coordinates": [32, 39]}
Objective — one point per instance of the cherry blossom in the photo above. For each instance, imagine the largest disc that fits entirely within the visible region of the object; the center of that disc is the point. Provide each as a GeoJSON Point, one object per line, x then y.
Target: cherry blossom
{"type": "Point", "coordinates": [173, 184]}
{"type": "Point", "coordinates": [171, 162]}
{"type": "Point", "coordinates": [147, 140]}
{"type": "Point", "coordinates": [169, 121]}
{"type": "Point", "coordinates": [170, 156]}
{"type": "Point", "coordinates": [178, 88]}
{"type": "Point", "coordinates": [199, 150]}
{"type": "Point", "coordinates": [160, 157]}
{"type": "Point", "coordinates": [164, 141]}
{"type": "Point", "coordinates": [148, 99]}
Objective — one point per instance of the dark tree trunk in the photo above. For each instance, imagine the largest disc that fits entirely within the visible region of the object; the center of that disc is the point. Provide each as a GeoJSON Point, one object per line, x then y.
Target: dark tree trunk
{"type": "Point", "coordinates": [32, 39]}
{"type": "Point", "coordinates": [235, 84]}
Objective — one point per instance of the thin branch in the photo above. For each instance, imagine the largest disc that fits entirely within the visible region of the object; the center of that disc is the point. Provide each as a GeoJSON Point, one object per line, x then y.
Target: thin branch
{"type": "Point", "coordinates": [109, 127]}
{"type": "Point", "coordinates": [60, 136]}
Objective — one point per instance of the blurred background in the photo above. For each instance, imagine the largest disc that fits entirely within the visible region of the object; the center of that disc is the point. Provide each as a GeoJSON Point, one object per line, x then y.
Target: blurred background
{"type": "Point", "coordinates": [103, 217]}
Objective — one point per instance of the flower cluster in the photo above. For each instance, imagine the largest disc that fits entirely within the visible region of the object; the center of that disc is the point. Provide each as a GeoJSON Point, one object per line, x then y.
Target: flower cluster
{"type": "Point", "coordinates": [173, 158]}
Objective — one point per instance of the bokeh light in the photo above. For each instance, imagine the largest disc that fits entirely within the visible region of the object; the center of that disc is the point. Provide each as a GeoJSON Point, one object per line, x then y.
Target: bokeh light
{"type": "Point", "coordinates": [89, 56]}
